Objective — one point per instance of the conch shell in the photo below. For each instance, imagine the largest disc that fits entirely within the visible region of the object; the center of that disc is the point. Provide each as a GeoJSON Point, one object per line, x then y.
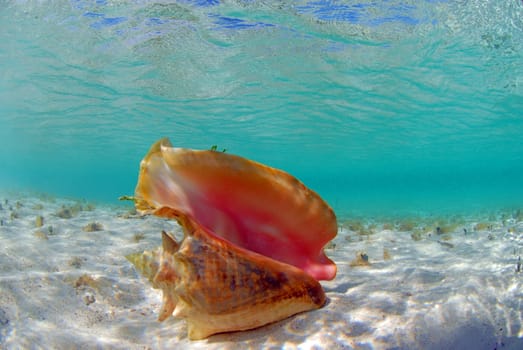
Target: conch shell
{"type": "Point", "coordinates": [253, 241]}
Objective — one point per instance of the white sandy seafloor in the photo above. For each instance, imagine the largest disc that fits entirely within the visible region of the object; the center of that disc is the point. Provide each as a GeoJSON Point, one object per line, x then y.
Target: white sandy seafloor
{"type": "Point", "coordinates": [65, 288]}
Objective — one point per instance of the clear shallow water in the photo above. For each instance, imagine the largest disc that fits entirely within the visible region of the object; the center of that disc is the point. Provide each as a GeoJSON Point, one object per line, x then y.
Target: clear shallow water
{"type": "Point", "coordinates": [391, 106]}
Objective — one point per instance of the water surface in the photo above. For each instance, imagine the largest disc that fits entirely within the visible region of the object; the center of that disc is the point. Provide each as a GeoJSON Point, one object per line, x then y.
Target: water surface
{"type": "Point", "coordinates": [393, 106]}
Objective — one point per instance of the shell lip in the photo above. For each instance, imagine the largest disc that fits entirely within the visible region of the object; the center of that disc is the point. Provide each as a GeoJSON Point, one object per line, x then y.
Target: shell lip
{"type": "Point", "coordinates": [176, 182]}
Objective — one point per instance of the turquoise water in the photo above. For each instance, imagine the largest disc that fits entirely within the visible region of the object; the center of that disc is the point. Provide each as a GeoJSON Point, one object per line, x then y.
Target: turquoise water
{"type": "Point", "coordinates": [393, 106]}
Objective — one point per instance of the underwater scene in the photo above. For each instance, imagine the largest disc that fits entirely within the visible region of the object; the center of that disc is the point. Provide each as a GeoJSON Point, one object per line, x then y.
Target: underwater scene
{"type": "Point", "coordinates": [265, 174]}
